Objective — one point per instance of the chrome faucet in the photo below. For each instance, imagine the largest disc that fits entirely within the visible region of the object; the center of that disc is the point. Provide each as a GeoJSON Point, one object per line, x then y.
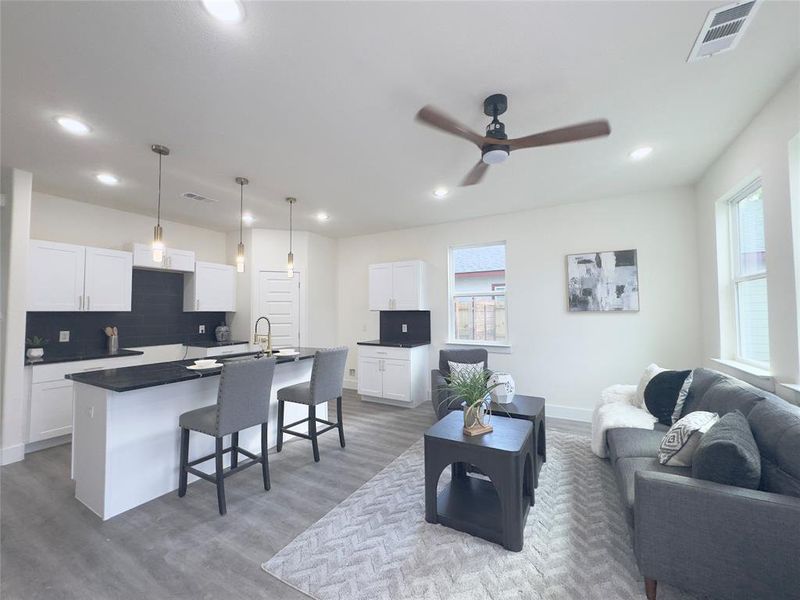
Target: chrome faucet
{"type": "Point", "coordinates": [259, 339]}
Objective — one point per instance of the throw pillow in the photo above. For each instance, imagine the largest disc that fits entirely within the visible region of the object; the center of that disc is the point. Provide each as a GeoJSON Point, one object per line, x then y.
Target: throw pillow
{"type": "Point", "coordinates": [651, 371]}
{"type": "Point", "coordinates": [682, 395]}
{"type": "Point", "coordinates": [661, 394]}
{"type": "Point", "coordinates": [683, 437]}
{"type": "Point", "coordinates": [728, 453]}
{"type": "Point", "coordinates": [465, 368]}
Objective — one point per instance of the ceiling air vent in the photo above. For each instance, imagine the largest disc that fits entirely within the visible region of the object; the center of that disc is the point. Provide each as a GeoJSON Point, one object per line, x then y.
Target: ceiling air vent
{"type": "Point", "coordinates": [198, 197]}
{"type": "Point", "coordinates": [723, 29]}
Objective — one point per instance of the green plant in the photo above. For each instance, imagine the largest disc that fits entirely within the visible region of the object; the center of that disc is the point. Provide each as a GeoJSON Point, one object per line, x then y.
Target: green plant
{"type": "Point", "coordinates": [36, 342]}
{"type": "Point", "coordinates": [470, 386]}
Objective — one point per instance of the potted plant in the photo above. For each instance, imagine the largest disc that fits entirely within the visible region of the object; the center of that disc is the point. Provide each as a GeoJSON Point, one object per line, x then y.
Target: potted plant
{"type": "Point", "coordinates": [35, 346]}
{"type": "Point", "coordinates": [473, 389]}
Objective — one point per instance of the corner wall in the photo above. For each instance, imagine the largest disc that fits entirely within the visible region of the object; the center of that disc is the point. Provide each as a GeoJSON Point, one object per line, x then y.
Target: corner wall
{"type": "Point", "coordinates": [566, 357]}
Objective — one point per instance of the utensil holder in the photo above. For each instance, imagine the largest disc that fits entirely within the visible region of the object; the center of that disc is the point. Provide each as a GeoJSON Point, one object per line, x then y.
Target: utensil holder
{"type": "Point", "coordinates": [113, 344]}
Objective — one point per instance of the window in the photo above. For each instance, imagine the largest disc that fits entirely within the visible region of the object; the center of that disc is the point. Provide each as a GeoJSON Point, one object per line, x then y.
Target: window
{"type": "Point", "coordinates": [749, 270]}
{"type": "Point", "coordinates": [478, 294]}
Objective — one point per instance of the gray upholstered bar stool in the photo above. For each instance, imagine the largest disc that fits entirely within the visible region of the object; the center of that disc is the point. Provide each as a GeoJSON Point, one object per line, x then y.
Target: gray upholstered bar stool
{"type": "Point", "coordinates": [327, 376]}
{"type": "Point", "coordinates": [242, 402]}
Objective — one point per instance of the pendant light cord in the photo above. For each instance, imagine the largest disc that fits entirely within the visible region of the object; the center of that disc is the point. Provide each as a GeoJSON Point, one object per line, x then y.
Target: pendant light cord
{"type": "Point", "coordinates": [158, 216]}
{"type": "Point", "coordinates": [241, 209]}
{"type": "Point", "coordinates": [290, 226]}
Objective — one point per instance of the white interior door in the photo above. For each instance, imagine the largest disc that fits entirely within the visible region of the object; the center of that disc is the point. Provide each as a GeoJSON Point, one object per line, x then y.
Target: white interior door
{"type": "Point", "coordinates": [279, 301]}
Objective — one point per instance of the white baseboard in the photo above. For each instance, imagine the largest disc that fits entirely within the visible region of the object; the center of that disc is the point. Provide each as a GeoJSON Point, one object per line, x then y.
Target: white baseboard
{"type": "Point", "coordinates": [569, 413]}
{"type": "Point", "coordinates": [350, 384]}
{"type": "Point", "coordinates": [12, 454]}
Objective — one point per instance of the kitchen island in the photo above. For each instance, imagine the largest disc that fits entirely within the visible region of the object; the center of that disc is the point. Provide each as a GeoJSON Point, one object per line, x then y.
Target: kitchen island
{"type": "Point", "coordinates": [126, 439]}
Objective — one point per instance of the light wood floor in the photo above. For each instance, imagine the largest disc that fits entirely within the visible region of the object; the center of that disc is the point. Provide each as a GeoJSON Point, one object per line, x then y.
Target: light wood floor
{"type": "Point", "coordinates": [52, 547]}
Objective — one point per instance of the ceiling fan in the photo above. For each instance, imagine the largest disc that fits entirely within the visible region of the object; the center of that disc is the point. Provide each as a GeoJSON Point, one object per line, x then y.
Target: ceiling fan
{"type": "Point", "coordinates": [495, 145]}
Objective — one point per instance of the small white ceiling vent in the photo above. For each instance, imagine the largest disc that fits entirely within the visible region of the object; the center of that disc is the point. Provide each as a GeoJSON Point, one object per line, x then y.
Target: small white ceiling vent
{"type": "Point", "coordinates": [723, 29]}
{"type": "Point", "coordinates": [198, 197]}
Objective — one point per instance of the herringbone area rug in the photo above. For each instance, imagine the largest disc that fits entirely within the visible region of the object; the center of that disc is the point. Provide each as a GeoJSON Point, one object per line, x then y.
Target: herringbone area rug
{"type": "Point", "coordinates": [376, 544]}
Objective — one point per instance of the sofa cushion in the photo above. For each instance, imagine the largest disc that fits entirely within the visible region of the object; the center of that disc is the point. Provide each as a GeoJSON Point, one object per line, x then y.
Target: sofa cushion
{"type": "Point", "coordinates": [626, 469]}
{"type": "Point", "coordinates": [728, 454]}
{"type": "Point", "coordinates": [627, 442]}
{"type": "Point", "coordinates": [702, 380]}
{"type": "Point", "coordinates": [776, 428]}
{"type": "Point", "coordinates": [681, 441]}
{"type": "Point", "coordinates": [661, 394]}
{"type": "Point", "coordinates": [728, 395]}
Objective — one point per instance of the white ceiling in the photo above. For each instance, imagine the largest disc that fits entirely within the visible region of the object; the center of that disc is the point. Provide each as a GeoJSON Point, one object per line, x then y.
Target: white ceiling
{"type": "Point", "coordinates": [316, 100]}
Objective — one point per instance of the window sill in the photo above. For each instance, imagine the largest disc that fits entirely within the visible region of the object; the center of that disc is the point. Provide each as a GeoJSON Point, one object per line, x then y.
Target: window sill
{"type": "Point", "coordinates": [791, 386]}
{"type": "Point", "coordinates": [492, 347]}
{"type": "Point", "coordinates": [745, 368]}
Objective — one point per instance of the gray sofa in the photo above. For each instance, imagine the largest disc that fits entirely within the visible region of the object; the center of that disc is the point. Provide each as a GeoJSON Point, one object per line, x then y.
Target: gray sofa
{"type": "Point", "coordinates": [439, 393]}
{"type": "Point", "coordinates": [724, 541]}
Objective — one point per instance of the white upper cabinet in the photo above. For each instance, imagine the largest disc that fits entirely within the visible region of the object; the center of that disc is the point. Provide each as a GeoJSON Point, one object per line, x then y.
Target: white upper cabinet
{"type": "Point", "coordinates": [108, 278]}
{"type": "Point", "coordinates": [174, 260]}
{"type": "Point", "coordinates": [66, 277]}
{"type": "Point", "coordinates": [211, 288]}
{"type": "Point", "coordinates": [397, 286]}
{"type": "Point", "coordinates": [55, 276]}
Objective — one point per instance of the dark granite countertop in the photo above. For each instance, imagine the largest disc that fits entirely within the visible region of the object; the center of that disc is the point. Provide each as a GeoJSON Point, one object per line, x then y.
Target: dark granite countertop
{"type": "Point", "coordinates": [214, 344]}
{"type": "Point", "coordinates": [55, 357]}
{"type": "Point", "coordinates": [126, 379]}
{"type": "Point", "coordinates": [395, 344]}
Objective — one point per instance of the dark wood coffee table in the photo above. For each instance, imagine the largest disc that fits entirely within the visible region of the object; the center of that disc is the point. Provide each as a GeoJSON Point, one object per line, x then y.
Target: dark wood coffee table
{"type": "Point", "coordinates": [530, 408]}
{"type": "Point", "coordinates": [494, 510]}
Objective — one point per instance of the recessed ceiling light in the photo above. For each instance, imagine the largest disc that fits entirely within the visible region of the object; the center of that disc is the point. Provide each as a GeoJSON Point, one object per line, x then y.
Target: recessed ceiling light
{"type": "Point", "coordinates": [440, 192]}
{"type": "Point", "coordinates": [322, 216]}
{"type": "Point", "coordinates": [247, 219]}
{"type": "Point", "coordinates": [228, 11]}
{"type": "Point", "coordinates": [107, 178]}
{"type": "Point", "coordinates": [641, 153]}
{"type": "Point", "coordinates": [74, 126]}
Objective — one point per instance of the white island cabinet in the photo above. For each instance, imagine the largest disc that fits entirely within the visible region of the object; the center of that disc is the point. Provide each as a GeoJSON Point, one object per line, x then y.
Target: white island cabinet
{"type": "Point", "coordinates": [66, 277]}
{"type": "Point", "coordinates": [391, 375]}
{"type": "Point", "coordinates": [126, 439]}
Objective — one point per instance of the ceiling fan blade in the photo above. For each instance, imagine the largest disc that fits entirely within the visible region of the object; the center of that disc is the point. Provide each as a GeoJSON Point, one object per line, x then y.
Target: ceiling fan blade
{"type": "Point", "coordinates": [573, 133]}
{"type": "Point", "coordinates": [436, 118]}
{"type": "Point", "coordinates": [476, 174]}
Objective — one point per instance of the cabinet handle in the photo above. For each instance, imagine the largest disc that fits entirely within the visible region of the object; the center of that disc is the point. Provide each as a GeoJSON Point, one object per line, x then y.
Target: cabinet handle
{"type": "Point", "coordinates": [88, 299]}
{"type": "Point", "coordinates": [197, 304]}
{"type": "Point", "coordinates": [80, 302]}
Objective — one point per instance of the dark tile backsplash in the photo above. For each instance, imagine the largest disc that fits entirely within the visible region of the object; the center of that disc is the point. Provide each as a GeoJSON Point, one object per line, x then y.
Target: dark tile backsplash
{"type": "Point", "coordinates": [418, 322]}
{"type": "Point", "coordinates": [156, 318]}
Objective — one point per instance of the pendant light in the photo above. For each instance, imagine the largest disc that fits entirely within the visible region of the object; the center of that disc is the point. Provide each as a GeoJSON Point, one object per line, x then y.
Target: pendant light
{"type": "Point", "coordinates": [290, 259]}
{"type": "Point", "coordinates": [242, 181]}
{"type": "Point", "coordinates": [158, 233]}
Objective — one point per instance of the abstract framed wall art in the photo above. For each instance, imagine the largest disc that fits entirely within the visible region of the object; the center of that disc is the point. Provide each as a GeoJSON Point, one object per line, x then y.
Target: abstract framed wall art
{"type": "Point", "coordinates": [603, 281]}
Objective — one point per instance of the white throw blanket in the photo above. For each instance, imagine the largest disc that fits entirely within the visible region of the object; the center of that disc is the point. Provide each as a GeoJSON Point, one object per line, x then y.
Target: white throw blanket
{"type": "Point", "coordinates": [617, 407]}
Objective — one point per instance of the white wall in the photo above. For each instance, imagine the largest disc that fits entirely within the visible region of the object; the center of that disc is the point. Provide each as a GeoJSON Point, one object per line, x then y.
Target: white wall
{"type": "Point", "coordinates": [566, 357]}
{"type": "Point", "coordinates": [314, 260]}
{"type": "Point", "coordinates": [14, 225]}
{"type": "Point", "coordinates": [64, 220]}
{"type": "Point", "coordinates": [761, 149]}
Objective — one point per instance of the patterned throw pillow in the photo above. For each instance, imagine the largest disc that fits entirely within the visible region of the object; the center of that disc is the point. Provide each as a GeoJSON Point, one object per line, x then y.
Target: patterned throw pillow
{"type": "Point", "coordinates": [683, 437]}
{"type": "Point", "coordinates": [682, 395]}
{"type": "Point", "coordinates": [458, 368]}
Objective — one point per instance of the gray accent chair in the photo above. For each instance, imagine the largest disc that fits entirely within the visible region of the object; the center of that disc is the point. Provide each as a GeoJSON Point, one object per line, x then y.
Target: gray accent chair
{"type": "Point", "coordinates": [242, 402]}
{"type": "Point", "coordinates": [724, 541]}
{"type": "Point", "coordinates": [327, 377]}
{"type": "Point", "coordinates": [439, 393]}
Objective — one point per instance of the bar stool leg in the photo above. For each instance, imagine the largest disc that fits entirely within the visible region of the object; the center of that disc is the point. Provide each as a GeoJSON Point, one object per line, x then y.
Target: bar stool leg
{"type": "Point", "coordinates": [264, 457]}
{"type": "Point", "coordinates": [312, 430]}
{"type": "Point", "coordinates": [279, 445]}
{"type": "Point", "coordinates": [220, 478]}
{"type": "Point", "coordinates": [184, 460]}
{"type": "Point", "coordinates": [339, 422]}
{"type": "Point", "coordinates": [234, 450]}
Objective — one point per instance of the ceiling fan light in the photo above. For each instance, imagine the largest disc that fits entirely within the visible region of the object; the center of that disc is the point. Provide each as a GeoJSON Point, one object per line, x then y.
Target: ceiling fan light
{"type": "Point", "coordinates": [495, 156]}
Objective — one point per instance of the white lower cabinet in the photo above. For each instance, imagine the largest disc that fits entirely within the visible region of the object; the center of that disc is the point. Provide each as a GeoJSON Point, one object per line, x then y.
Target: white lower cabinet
{"type": "Point", "coordinates": [50, 394]}
{"type": "Point", "coordinates": [393, 375]}
{"type": "Point", "coordinates": [203, 352]}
